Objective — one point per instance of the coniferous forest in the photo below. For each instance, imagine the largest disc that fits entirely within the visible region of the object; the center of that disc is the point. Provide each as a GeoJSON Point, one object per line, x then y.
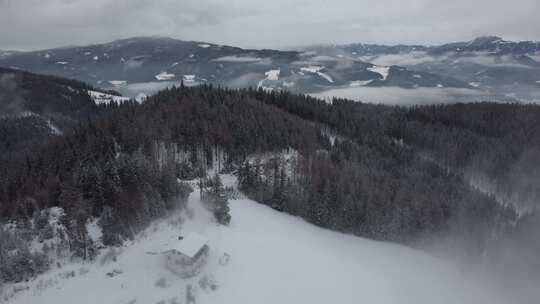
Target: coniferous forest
{"type": "Point", "coordinates": [462, 172]}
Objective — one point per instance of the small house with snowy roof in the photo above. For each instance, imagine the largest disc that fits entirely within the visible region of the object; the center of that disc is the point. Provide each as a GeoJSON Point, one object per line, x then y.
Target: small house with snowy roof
{"type": "Point", "coordinates": [188, 256]}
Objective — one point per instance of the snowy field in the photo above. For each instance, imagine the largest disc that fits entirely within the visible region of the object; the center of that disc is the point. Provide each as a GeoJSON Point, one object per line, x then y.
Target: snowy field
{"type": "Point", "coordinates": [104, 98]}
{"type": "Point", "coordinates": [274, 258]}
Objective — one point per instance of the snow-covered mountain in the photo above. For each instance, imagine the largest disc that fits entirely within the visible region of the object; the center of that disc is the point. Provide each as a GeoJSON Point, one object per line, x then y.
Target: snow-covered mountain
{"type": "Point", "coordinates": [264, 256]}
{"type": "Point", "coordinates": [490, 64]}
{"type": "Point", "coordinates": [145, 64]}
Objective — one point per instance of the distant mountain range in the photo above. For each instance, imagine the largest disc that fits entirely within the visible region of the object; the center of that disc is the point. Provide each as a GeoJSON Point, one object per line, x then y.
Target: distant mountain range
{"type": "Point", "coordinates": [158, 60]}
{"type": "Point", "coordinates": [488, 63]}
{"type": "Point", "coordinates": [145, 64]}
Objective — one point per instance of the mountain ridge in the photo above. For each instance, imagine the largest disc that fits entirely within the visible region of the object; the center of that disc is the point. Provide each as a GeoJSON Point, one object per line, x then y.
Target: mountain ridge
{"type": "Point", "coordinates": [162, 61]}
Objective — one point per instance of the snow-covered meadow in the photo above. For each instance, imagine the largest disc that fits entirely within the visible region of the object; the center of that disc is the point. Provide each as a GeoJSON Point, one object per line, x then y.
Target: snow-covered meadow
{"type": "Point", "coordinates": [274, 258]}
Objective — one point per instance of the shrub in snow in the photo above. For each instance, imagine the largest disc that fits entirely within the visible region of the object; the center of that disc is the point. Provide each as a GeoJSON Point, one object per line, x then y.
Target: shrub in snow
{"type": "Point", "coordinates": [162, 282]}
{"type": "Point", "coordinates": [21, 265]}
{"type": "Point", "coordinates": [114, 273]}
{"type": "Point", "coordinates": [208, 282]}
{"type": "Point", "coordinates": [214, 195]}
{"type": "Point", "coordinates": [190, 295]}
{"type": "Point", "coordinates": [225, 259]}
{"type": "Point", "coordinates": [17, 262]}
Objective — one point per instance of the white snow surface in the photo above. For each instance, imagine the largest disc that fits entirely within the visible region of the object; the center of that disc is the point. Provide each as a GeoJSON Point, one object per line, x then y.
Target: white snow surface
{"type": "Point", "coordinates": [164, 76]}
{"type": "Point", "coordinates": [360, 83]}
{"type": "Point", "coordinates": [382, 70]}
{"type": "Point", "coordinates": [272, 74]}
{"type": "Point", "coordinates": [204, 45]}
{"type": "Point", "coordinates": [315, 69]}
{"type": "Point", "coordinates": [189, 78]}
{"type": "Point", "coordinates": [141, 97]}
{"type": "Point", "coordinates": [104, 98]}
{"type": "Point", "coordinates": [326, 76]}
{"type": "Point", "coordinates": [312, 69]}
{"type": "Point", "coordinates": [191, 244]}
{"type": "Point", "coordinates": [274, 258]}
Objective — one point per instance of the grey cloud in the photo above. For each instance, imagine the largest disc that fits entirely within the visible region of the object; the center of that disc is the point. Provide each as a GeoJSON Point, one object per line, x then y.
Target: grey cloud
{"type": "Point", "coordinates": [31, 24]}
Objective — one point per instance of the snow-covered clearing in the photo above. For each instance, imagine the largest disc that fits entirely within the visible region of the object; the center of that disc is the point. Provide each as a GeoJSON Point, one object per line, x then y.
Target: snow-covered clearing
{"type": "Point", "coordinates": [188, 78]}
{"type": "Point", "coordinates": [274, 258]}
{"type": "Point", "coordinates": [104, 98]}
{"type": "Point", "coordinates": [360, 83]}
{"type": "Point", "coordinates": [164, 76]}
{"type": "Point", "coordinates": [315, 69]}
{"type": "Point", "coordinates": [326, 76]}
{"type": "Point", "coordinates": [272, 74]}
{"type": "Point", "coordinates": [381, 70]}
{"type": "Point", "coordinates": [312, 69]}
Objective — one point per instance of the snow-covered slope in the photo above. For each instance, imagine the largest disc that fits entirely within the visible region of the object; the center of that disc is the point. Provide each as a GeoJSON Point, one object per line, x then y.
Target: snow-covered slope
{"type": "Point", "coordinates": [104, 98]}
{"type": "Point", "coordinates": [274, 258]}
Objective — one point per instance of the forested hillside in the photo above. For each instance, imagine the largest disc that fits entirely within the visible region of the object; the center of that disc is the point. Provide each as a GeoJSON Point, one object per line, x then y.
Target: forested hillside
{"type": "Point", "coordinates": [495, 146]}
{"type": "Point", "coordinates": [34, 107]}
{"type": "Point", "coordinates": [371, 170]}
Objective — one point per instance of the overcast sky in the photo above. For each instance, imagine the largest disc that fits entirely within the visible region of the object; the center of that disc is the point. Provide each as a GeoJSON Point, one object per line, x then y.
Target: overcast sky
{"type": "Point", "coordinates": [34, 24]}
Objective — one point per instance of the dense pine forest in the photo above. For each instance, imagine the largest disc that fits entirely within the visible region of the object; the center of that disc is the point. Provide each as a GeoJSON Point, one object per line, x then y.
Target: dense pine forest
{"type": "Point", "coordinates": [459, 172]}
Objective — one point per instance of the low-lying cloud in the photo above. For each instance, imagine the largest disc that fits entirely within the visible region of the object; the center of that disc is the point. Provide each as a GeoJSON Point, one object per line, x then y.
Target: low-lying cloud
{"type": "Point", "coordinates": [402, 96]}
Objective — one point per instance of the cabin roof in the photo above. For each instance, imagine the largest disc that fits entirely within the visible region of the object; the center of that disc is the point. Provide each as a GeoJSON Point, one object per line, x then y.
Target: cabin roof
{"type": "Point", "coordinates": [191, 244]}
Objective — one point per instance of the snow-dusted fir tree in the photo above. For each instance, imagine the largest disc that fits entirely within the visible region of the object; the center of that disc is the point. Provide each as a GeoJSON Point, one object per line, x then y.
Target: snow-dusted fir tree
{"type": "Point", "coordinates": [214, 195]}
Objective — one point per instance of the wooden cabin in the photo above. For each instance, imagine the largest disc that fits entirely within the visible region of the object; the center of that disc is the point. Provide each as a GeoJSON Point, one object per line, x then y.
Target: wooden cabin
{"type": "Point", "coordinates": [188, 257]}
